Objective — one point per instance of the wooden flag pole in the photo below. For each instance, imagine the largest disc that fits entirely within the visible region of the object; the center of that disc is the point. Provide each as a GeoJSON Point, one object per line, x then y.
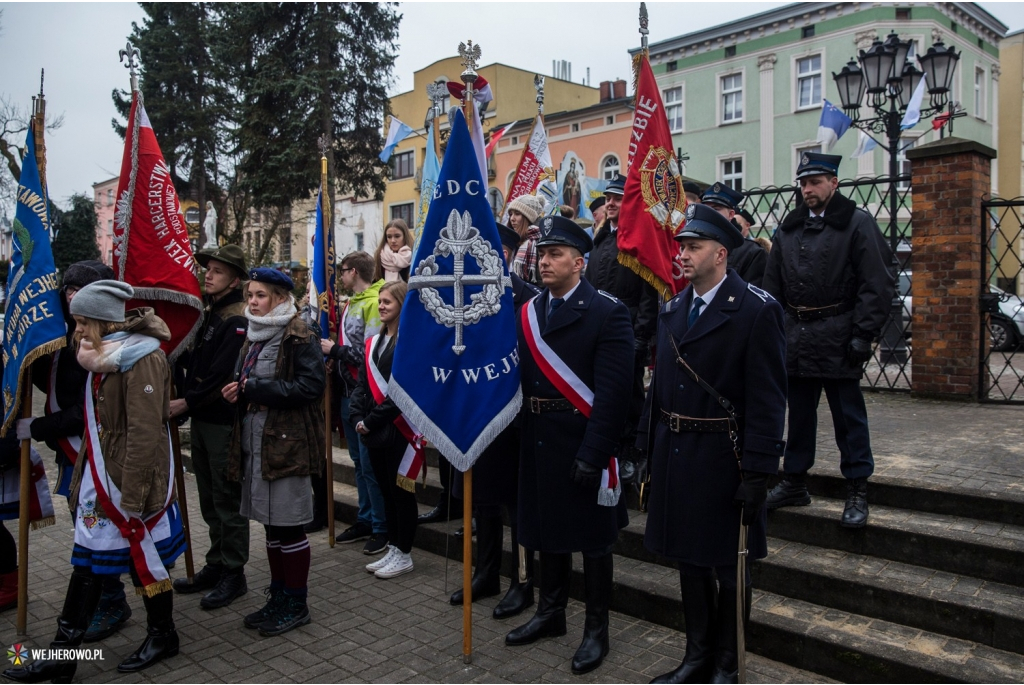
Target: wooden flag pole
{"type": "Point", "coordinates": [179, 484]}
{"type": "Point", "coordinates": [23, 506]}
{"type": "Point", "coordinates": [325, 256]}
{"type": "Point", "coordinates": [467, 566]}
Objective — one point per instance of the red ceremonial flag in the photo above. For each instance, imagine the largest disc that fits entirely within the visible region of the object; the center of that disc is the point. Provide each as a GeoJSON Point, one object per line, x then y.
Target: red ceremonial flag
{"type": "Point", "coordinates": [535, 173]}
{"type": "Point", "coordinates": [152, 252]}
{"type": "Point", "coordinates": [495, 137]}
{"type": "Point", "coordinates": [654, 206]}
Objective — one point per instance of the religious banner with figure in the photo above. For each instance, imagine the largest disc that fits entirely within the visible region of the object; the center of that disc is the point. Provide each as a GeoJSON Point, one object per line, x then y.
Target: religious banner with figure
{"type": "Point", "coordinates": [654, 205]}
{"type": "Point", "coordinates": [152, 252]}
{"type": "Point", "coordinates": [34, 324]}
{"type": "Point", "coordinates": [456, 368]}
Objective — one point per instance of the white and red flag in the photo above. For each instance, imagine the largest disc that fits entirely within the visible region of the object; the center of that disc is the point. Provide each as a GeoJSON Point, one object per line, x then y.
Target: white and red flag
{"type": "Point", "coordinates": [535, 172]}
{"type": "Point", "coordinates": [495, 137]}
{"type": "Point", "coordinates": [481, 90]}
{"type": "Point", "coordinates": [152, 252]}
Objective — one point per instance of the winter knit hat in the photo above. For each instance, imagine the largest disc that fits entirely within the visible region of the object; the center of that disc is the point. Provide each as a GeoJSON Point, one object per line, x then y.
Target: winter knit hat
{"type": "Point", "coordinates": [102, 300]}
{"type": "Point", "coordinates": [529, 206]}
{"type": "Point", "coordinates": [81, 274]}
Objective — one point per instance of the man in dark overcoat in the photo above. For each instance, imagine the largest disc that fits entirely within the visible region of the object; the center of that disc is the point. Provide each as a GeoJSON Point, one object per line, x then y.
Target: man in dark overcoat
{"type": "Point", "coordinates": [830, 268]}
{"type": "Point", "coordinates": [496, 485]}
{"type": "Point", "coordinates": [749, 258]}
{"type": "Point", "coordinates": [573, 341]}
{"type": "Point", "coordinates": [731, 335]}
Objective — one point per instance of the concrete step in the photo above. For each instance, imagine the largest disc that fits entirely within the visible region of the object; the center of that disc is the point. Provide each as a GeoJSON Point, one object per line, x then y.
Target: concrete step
{"type": "Point", "coordinates": [952, 544]}
{"type": "Point", "coordinates": [826, 641]}
{"type": "Point", "coordinates": [907, 494]}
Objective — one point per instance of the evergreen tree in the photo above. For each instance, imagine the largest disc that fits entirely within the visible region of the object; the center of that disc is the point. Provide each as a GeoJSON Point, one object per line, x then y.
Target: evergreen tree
{"type": "Point", "coordinates": [76, 232]}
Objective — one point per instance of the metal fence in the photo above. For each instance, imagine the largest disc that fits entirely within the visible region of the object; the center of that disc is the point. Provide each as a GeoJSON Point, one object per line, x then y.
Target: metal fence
{"type": "Point", "coordinates": [889, 368]}
{"type": "Point", "coordinates": [1002, 316]}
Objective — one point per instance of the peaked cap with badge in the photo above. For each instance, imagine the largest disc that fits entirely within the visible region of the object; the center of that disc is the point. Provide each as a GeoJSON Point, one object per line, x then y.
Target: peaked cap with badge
{"type": "Point", "coordinates": [815, 163]}
{"type": "Point", "coordinates": [706, 223]}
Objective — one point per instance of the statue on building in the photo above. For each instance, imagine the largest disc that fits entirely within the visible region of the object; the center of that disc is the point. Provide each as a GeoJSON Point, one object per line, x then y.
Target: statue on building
{"type": "Point", "coordinates": [210, 226]}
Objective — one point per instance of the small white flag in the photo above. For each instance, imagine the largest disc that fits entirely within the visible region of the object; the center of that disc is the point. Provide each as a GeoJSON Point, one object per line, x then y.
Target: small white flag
{"type": "Point", "coordinates": [913, 114]}
{"type": "Point", "coordinates": [865, 144]}
{"type": "Point", "coordinates": [397, 132]}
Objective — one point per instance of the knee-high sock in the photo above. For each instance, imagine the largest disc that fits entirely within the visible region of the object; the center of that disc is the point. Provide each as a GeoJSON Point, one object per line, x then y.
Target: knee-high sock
{"type": "Point", "coordinates": [295, 557]}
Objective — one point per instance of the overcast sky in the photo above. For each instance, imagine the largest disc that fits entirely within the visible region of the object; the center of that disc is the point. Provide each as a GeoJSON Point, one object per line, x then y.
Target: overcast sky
{"type": "Point", "coordinates": [77, 44]}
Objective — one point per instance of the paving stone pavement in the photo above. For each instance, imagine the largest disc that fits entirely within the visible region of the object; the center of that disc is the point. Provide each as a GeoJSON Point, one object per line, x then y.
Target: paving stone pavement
{"type": "Point", "coordinates": [363, 629]}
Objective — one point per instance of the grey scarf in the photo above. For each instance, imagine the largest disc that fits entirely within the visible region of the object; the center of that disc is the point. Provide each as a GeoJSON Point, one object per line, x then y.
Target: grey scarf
{"type": "Point", "coordinates": [263, 328]}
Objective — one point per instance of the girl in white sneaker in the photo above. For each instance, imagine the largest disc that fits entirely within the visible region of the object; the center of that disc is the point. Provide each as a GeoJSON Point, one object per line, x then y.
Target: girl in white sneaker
{"type": "Point", "coordinates": [374, 415]}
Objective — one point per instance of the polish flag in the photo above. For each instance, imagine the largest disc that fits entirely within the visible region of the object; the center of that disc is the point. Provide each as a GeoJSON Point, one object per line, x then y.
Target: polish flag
{"type": "Point", "coordinates": [495, 137]}
{"type": "Point", "coordinates": [481, 90]}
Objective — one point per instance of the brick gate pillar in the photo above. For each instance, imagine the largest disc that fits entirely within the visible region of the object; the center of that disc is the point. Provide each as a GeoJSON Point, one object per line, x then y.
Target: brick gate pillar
{"type": "Point", "coordinates": [949, 178]}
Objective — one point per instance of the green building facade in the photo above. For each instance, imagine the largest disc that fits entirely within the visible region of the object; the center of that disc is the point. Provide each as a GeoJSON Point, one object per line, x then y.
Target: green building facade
{"type": "Point", "coordinates": [744, 99]}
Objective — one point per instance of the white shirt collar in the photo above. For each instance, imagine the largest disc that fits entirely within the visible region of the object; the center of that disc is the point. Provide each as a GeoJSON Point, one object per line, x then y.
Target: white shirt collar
{"type": "Point", "coordinates": [709, 295]}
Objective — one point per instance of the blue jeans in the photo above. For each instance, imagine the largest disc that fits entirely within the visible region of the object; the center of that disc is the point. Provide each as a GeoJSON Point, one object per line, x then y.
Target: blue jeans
{"type": "Point", "coordinates": [371, 500]}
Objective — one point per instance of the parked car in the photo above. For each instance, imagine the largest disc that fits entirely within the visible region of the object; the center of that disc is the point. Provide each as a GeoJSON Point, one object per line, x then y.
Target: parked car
{"type": "Point", "coordinates": [1006, 328]}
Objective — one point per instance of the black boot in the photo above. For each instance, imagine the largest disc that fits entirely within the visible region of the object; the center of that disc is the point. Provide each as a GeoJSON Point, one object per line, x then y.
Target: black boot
{"type": "Point", "coordinates": [855, 514]}
{"type": "Point", "coordinates": [726, 663]}
{"type": "Point", "coordinates": [549, 620]}
{"type": "Point", "coordinates": [519, 597]}
{"type": "Point", "coordinates": [700, 600]}
{"type": "Point", "coordinates": [790, 492]}
{"type": "Point", "coordinates": [79, 605]}
{"type": "Point", "coordinates": [597, 581]}
{"type": "Point", "coordinates": [231, 586]}
{"type": "Point", "coordinates": [161, 637]}
{"type": "Point", "coordinates": [442, 512]}
{"type": "Point", "coordinates": [487, 574]}
{"type": "Point", "coordinates": [206, 579]}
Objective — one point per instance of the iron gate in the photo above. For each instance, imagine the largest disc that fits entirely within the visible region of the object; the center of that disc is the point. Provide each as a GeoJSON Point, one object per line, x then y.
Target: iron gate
{"type": "Point", "coordinates": [1002, 309]}
{"type": "Point", "coordinates": [889, 369]}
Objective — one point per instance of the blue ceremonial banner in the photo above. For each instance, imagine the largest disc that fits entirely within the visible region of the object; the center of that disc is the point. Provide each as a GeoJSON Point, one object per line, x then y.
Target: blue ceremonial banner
{"type": "Point", "coordinates": [456, 369]}
{"type": "Point", "coordinates": [324, 273]}
{"type": "Point", "coordinates": [34, 323]}
{"type": "Point", "coordinates": [431, 170]}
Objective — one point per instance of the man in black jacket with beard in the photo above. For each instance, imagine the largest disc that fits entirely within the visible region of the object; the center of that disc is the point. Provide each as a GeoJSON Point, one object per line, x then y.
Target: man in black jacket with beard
{"type": "Point", "coordinates": [830, 268]}
{"type": "Point", "coordinates": [210, 367]}
{"type": "Point", "coordinates": [605, 273]}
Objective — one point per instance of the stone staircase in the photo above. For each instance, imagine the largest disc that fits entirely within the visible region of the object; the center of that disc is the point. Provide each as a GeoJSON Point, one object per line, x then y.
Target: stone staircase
{"type": "Point", "coordinates": [932, 590]}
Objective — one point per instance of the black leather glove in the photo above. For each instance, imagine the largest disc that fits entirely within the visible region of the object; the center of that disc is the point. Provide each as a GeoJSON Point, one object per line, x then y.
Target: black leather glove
{"type": "Point", "coordinates": [630, 461]}
{"type": "Point", "coordinates": [642, 352]}
{"type": "Point", "coordinates": [858, 351]}
{"type": "Point", "coordinates": [584, 475]}
{"type": "Point", "coordinates": [751, 495]}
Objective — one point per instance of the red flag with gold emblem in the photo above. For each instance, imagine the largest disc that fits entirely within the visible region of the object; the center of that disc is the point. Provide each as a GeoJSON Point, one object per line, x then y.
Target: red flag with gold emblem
{"type": "Point", "coordinates": [152, 252]}
{"type": "Point", "coordinates": [653, 206]}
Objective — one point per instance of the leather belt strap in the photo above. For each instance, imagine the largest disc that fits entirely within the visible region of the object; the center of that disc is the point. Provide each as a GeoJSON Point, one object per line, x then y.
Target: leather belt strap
{"type": "Point", "coordinates": [687, 424]}
{"type": "Point", "coordinates": [538, 405]}
{"type": "Point", "coordinates": [815, 313]}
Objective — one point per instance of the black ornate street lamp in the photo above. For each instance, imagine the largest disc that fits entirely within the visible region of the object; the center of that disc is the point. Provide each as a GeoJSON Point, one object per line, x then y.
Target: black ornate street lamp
{"type": "Point", "coordinates": [886, 75]}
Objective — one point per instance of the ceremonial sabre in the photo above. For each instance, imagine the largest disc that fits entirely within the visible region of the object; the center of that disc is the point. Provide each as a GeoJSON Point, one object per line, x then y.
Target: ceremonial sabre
{"type": "Point", "coordinates": [741, 593]}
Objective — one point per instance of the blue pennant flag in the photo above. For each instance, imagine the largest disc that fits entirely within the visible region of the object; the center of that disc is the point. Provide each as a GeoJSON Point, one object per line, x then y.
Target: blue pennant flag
{"type": "Point", "coordinates": [34, 324]}
{"type": "Point", "coordinates": [833, 124]}
{"type": "Point", "coordinates": [324, 273]}
{"type": "Point", "coordinates": [431, 170]}
{"type": "Point", "coordinates": [456, 369]}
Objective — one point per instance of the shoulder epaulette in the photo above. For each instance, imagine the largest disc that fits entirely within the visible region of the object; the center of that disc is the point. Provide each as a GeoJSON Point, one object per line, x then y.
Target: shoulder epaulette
{"type": "Point", "coordinates": [763, 294]}
{"type": "Point", "coordinates": [672, 304]}
{"type": "Point", "coordinates": [608, 295]}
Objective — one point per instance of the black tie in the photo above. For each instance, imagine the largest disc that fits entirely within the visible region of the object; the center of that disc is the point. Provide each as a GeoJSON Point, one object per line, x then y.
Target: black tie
{"type": "Point", "coordinates": [556, 302]}
{"type": "Point", "coordinates": [695, 312]}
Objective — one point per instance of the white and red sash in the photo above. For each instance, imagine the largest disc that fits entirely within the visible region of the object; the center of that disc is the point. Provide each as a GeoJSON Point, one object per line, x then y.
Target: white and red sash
{"type": "Point", "coordinates": [573, 388]}
{"type": "Point", "coordinates": [140, 536]}
{"type": "Point", "coordinates": [415, 455]}
{"type": "Point", "coordinates": [345, 340]}
{"type": "Point", "coordinates": [40, 505]}
{"type": "Point", "coordinates": [69, 445]}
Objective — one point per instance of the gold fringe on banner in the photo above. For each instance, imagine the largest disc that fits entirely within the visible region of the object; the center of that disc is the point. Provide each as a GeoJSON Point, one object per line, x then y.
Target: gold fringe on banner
{"type": "Point", "coordinates": [638, 59]}
{"type": "Point", "coordinates": [154, 589]}
{"type": "Point", "coordinates": [634, 265]}
{"type": "Point", "coordinates": [406, 484]}
{"type": "Point", "coordinates": [44, 522]}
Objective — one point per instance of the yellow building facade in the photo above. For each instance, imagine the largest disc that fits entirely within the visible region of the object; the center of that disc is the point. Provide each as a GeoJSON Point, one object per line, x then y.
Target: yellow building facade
{"type": "Point", "coordinates": [1011, 116]}
{"type": "Point", "coordinates": [514, 99]}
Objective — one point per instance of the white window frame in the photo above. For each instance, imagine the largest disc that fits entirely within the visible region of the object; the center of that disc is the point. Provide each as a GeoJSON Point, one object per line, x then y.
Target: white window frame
{"type": "Point", "coordinates": [980, 92]}
{"type": "Point", "coordinates": [795, 81]}
{"type": "Point", "coordinates": [508, 183]}
{"type": "Point", "coordinates": [720, 161]}
{"type": "Point", "coordinates": [720, 96]}
{"type": "Point", "coordinates": [604, 160]}
{"type": "Point", "coordinates": [609, 120]}
{"type": "Point", "coordinates": [799, 149]}
{"type": "Point", "coordinates": [574, 127]}
{"type": "Point", "coordinates": [681, 104]}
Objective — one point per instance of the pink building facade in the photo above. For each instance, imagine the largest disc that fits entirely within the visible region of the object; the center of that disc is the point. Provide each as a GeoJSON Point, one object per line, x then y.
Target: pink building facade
{"type": "Point", "coordinates": [104, 196]}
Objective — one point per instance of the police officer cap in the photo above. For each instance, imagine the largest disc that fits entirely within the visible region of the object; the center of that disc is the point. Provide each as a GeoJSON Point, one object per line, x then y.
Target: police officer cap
{"type": "Point", "coordinates": [706, 223]}
{"type": "Point", "coordinates": [691, 187]}
{"type": "Point", "coordinates": [616, 186]}
{"type": "Point", "coordinates": [557, 230]}
{"type": "Point", "coordinates": [596, 204]}
{"type": "Point", "coordinates": [746, 215]}
{"type": "Point", "coordinates": [231, 255]}
{"type": "Point", "coordinates": [509, 238]}
{"type": "Point", "coordinates": [723, 195]}
{"type": "Point", "coordinates": [814, 163]}
{"type": "Point", "coordinates": [270, 276]}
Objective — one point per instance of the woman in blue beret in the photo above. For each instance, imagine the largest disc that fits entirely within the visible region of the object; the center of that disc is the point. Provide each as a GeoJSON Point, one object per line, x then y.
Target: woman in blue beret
{"type": "Point", "coordinates": [279, 440]}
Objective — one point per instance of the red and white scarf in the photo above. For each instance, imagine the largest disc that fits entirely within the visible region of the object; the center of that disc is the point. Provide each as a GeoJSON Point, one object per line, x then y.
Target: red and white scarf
{"type": "Point", "coordinates": [573, 389]}
{"type": "Point", "coordinates": [415, 456]}
{"type": "Point", "coordinates": [99, 495]}
{"type": "Point", "coordinates": [71, 444]}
